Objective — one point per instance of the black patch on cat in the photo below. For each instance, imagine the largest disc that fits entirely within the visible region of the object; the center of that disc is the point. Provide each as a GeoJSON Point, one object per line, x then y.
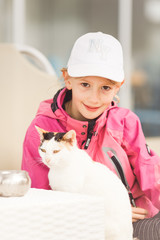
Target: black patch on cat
{"type": "Point", "coordinates": [48, 135]}
{"type": "Point", "coordinates": [59, 136]}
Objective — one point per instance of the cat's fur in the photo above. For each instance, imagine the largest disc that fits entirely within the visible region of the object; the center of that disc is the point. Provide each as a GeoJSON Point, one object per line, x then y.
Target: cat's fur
{"type": "Point", "coordinates": [72, 170]}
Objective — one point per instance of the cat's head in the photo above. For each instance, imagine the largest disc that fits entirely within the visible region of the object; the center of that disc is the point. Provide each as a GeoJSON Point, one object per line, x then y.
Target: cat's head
{"type": "Point", "coordinates": [55, 147]}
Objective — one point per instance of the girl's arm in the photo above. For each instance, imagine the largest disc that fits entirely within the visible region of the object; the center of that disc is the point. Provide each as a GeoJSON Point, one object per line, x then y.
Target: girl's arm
{"type": "Point", "coordinates": [145, 163]}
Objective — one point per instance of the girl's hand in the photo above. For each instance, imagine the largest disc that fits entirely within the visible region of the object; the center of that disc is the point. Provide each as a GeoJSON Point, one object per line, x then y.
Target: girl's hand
{"type": "Point", "coordinates": [138, 214]}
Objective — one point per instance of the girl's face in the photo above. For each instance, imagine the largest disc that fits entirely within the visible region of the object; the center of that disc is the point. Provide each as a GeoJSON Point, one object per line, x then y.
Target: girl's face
{"type": "Point", "coordinates": [90, 96]}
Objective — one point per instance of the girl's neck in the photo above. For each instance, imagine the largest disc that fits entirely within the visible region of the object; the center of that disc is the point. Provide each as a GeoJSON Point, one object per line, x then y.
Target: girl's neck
{"type": "Point", "coordinates": [68, 108]}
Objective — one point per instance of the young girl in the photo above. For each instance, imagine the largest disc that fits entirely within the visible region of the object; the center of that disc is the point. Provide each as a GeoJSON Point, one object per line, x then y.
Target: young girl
{"type": "Point", "coordinates": [93, 77]}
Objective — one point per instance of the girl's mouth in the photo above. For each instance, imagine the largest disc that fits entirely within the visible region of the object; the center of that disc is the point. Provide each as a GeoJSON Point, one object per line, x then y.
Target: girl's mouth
{"type": "Point", "coordinates": [91, 109]}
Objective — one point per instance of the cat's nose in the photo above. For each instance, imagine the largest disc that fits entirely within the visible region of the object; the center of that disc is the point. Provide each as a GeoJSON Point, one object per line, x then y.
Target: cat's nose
{"type": "Point", "coordinates": [47, 160]}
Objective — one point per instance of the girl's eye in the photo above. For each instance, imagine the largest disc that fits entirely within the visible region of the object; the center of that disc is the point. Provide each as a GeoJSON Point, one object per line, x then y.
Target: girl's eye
{"type": "Point", "coordinates": [56, 151]}
{"type": "Point", "coordinates": [43, 150]}
{"type": "Point", "coordinates": [106, 88]}
{"type": "Point", "coordinates": [85, 84]}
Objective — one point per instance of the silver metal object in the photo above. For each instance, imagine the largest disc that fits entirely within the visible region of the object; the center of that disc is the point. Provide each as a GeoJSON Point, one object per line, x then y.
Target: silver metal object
{"type": "Point", "coordinates": [14, 183]}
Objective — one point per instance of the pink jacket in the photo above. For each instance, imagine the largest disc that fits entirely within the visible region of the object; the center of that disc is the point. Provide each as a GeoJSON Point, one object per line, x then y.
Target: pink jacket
{"type": "Point", "coordinates": [117, 130]}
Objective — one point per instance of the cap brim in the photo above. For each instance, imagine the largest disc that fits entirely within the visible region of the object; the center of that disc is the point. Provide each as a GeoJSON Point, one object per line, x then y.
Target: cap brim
{"type": "Point", "coordinates": [92, 70]}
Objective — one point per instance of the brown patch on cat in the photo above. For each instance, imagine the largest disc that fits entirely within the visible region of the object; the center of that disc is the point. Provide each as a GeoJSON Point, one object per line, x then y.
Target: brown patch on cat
{"type": "Point", "coordinates": [59, 136]}
{"type": "Point", "coordinates": [70, 137]}
{"type": "Point", "coordinates": [68, 144]}
{"type": "Point", "coordinates": [67, 140]}
{"type": "Point", "coordinates": [65, 143]}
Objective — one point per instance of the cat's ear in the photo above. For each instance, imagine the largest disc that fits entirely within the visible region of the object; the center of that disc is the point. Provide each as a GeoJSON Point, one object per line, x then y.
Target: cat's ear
{"type": "Point", "coordinates": [70, 137]}
{"type": "Point", "coordinates": [40, 131]}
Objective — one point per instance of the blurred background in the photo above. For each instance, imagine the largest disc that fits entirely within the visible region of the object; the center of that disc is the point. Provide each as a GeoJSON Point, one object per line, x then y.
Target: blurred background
{"type": "Point", "coordinates": [52, 26]}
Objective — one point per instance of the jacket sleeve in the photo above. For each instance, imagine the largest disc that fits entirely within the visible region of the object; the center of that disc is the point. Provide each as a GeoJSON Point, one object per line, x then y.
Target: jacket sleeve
{"type": "Point", "coordinates": [145, 163]}
{"type": "Point", "coordinates": [31, 161]}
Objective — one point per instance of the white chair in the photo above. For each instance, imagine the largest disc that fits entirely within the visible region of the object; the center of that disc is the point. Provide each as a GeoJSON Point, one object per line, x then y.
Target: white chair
{"type": "Point", "coordinates": [39, 59]}
{"type": "Point", "coordinates": [23, 86]}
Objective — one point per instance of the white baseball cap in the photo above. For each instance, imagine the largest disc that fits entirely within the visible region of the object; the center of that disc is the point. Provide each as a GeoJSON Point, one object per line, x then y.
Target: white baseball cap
{"type": "Point", "coordinates": [97, 54]}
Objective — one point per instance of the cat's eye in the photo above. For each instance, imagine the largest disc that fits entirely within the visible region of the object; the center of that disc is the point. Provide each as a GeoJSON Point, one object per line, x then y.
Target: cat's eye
{"type": "Point", "coordinates": [43, 150]}
{"type": "Point", "coordinates": [56, 151]}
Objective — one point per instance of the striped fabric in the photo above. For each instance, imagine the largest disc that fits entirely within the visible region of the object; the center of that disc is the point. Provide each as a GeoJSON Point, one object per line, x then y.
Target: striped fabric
{"type": "Point", "coordinates": [148, 229]}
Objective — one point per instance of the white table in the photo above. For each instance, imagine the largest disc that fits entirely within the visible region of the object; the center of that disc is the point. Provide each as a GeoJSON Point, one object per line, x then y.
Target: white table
{"type": "Point", "coordinates": [50, 215]}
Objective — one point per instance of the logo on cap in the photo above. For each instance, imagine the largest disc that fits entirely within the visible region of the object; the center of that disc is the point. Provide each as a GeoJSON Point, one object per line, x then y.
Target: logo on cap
{"type": "Point", "coordinates": [97, 46]}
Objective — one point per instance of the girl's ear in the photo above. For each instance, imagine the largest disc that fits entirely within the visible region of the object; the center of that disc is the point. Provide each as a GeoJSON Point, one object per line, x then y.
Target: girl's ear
{"type": "Point", "coordinates": [68, 84]}
{"type": "Point", "coordinates": [67, 80]}
{"type": "Point", "coordinates": [119, 86]}
{"type": "Point", "coordinates": [64, 73]}
{"type": "Point", "coordinates": [70, 137]}
{"type": "Point", "coordinates": [117, 99]}
{"type": "Point", "coordinates": [116, 90]}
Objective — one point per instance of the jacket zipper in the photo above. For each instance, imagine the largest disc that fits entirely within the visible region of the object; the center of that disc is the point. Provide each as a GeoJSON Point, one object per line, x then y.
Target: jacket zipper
{"type": "Point", "coordinates": [120, 172]}
{"type": "Point", "coordinates": [90, 133]}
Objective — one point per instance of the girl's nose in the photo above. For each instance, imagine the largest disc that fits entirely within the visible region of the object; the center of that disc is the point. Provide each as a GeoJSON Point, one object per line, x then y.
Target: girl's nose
{"type": "Point", "coordinates": [94, 96]}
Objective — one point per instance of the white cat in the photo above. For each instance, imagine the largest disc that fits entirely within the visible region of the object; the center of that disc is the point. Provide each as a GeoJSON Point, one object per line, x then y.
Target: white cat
{"type": "Point", "coordinates": [72, 170]}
